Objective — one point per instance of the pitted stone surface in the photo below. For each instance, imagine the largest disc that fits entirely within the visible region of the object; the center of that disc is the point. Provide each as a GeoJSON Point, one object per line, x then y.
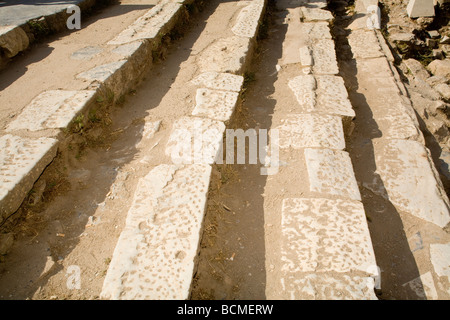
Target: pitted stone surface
{"type": "Point", "coordinates": [154, 257]}
{"type": "Point", "coordinates": [407, 173]}
{"type": "Point", "coordinates": [322, 235]}
{"type": "Point", "coordinates": [312, 286]}
{"type": "Point", "coordinates": [226, 55]}
{"type": "Point", "coordinates": [21, 163]}
{"type": "Point", "coordinates": [215, 104]}
{"type": "Point", "coordinates": [315, 14]}
{"type": "Point", "coordinates": [311, 130]}
{"type": "Point", "coordinates": [52, 110]}
{"type": "Point", "coordinates": [397, 123]}
{"type": "Point", "coordinates": [316, 30]}
{"type": "Point", "coordinates": [195, 140]}
{"type": "Point", "coordinates": [332, 96]}
{"type": "Point", "coordinates": [103, 72]}
{"type": "Point", "coordinates": [149, 25]}
{"type": "Point", "coordinates": [304, 88]}
{"type": "Point", "coordinates": [325, 94]}
{"type": "Point", "coordinates": [324, 57]}
{"type": "Point", "coordinates": [364, 44]}
{"type": "Point", "coordinates": [376, 67]}
{"type": "Point", "coordinates": [219, 81]}
{"type": "Point", "coordinates": [248, 20]}
{"type": "Point", "coordinates": [331, 172]}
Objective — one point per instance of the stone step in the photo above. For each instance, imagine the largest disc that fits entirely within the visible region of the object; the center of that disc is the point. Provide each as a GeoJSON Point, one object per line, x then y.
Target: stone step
{"type": "Point", "coordinates": [405, 175]}
{"type": "Point", "coordinates": [155, 255]}
{"type": "Point", "coordinates": [325, 246]}
{"type": "Point", "coordinates": [164, 223]}
{"type": "Point", "coordinates": [52, 112]}
{"type": "Point", "coordinates": [22, 161]}
{"type": "Point", "coordinates": [326, 251]}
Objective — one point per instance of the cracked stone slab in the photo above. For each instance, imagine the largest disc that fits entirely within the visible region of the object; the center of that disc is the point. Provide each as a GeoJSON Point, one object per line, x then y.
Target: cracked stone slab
{"type": "Point", "coordinates": [304, 88]}
{"type": "Point", "coordinates": [195, 140]}
{"type": "Point", "coordinates": [323, 235]}
{"type": "Point", "coordinates": [22, 161]}
{"type": "Point", "coordinates": [332, 96]}
{"type": "Point", "coordinates": [219, 81]}
{"type": "Point", "coordinates": [150, 25]}
{"type": "Point", "coordinates": [314, 286]}
{"type": "Point", "coordinates": [52, 109]}
{"type": "Point", "coordinates": [315, 14]}
{"type": "Point", "coordinates": [396, 123]}
{"type": "Point", "coordinates": [215, 104]}
{"type": "Point", "coordinates": [155, 253]}
{"type": "Point", "coordinates": [316, 30]}
{"type": "Point", "coordinates": [364, 44]}
{"type": "Point", "coordinates": [324, 56]}
{"type": "Point", "coordinates": [248, 20]}
{"type": "Point", "coordinates": [331, 172]}
{"type": "Point", "coordinates": [324, 94]}
{"type": "Point", "coordinates": [227, 55]}
{"type": "Point", "coordinates": [411, 182]}
{"type": "Point", "coordinates": [311, 130]}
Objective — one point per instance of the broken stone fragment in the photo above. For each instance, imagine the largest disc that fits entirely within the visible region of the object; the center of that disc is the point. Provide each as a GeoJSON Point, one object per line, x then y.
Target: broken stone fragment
{"type": "Point", "coordinates": [420, 8]}
{"type": "Point", "coordinates": [440, 68]}
{"type": "Point", "coordinates": [416, 69]}
{"type": "Point", "coordinates": [434, 34]}
{"type": "Point", "coordinates": [445, 40]}
{"type": "Point", "coordinates": [444, 90]}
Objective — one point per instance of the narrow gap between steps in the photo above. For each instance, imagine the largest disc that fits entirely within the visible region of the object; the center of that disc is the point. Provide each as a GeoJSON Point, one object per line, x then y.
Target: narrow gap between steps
{"type": "Point", "coordinates": [232, 257]}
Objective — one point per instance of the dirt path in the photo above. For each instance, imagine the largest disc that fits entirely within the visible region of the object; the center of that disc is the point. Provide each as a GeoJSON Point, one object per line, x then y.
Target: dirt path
{"type": "Point", "coordinates": [54, 63]}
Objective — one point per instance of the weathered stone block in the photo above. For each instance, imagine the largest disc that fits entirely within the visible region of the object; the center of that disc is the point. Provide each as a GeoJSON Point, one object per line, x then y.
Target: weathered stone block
{"type": "Point", "coordinates": [52, 109]}
{"type": "Point", "coordinates": [156, 21]}
{"type": "Point", "coordinates": [311, 130]}
{"type": "Point", "coordinates": [215, 104]}
{"type": "Point", "coordinates": [364, 44]}
{"type": "Point", "coordinates": [155, 254]}
{"type": "Point", "coordinates": [315, 286]}
{"type": "Point", "coordinates": [219, 81]}
{"type": "Point", "coordinates": [248, 20]}
{"type": "Point", "coordinates": [323, 235]}
{"type": "Point", "coordinates": [195, 140]}
{"type": "Point", "coordinates": [420, 8]}
{"type": "Point", "coordinates": [22, 161]}
{"type": "Point", "coordinates": [410, 180]}
{"type": "Point", "coordinates": [331, 172]}
{"type": "Point", "coordinates": [226, 55]}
